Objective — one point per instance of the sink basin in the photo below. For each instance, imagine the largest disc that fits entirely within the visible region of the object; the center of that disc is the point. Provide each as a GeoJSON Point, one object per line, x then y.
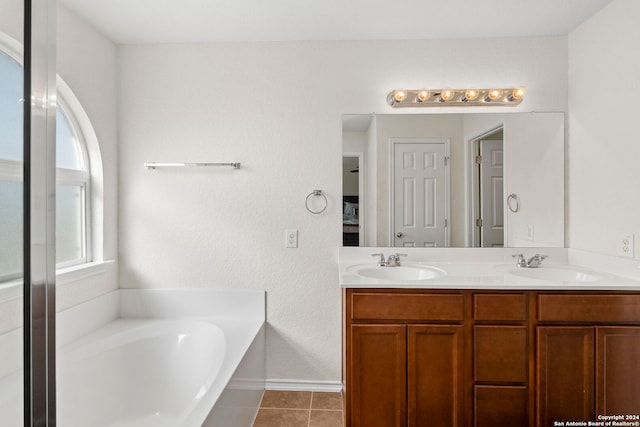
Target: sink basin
{"type": "Point", "coordinates": [561, 274]}
{"type": "Point", "coordinates": [401, 273]}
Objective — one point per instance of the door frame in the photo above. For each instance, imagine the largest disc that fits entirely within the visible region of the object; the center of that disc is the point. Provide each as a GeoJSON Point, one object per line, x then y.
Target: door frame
{"type": "Point", "coordinates": [361, 195]}
{"type": "Point", "coordinates": [472, 183]}
{"type": "Point", "coordinates": [447, 182]}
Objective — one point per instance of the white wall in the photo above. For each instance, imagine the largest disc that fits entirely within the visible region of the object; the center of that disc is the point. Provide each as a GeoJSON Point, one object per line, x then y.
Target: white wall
{"type": "Point", "coordinates": [277, 107]}
{"type": "Point", "coordinates": [12, 18]}
{"type": "Point", "coordinates": [604, 146]}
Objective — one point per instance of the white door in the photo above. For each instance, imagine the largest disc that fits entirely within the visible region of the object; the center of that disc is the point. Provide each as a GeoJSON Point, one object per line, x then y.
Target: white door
{"type": "Point", "coordinates": [492, 193]}
{"type": "Point", "coordinates": [420, 194]}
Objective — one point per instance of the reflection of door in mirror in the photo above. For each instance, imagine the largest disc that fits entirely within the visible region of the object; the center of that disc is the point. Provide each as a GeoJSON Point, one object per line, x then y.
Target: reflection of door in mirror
{"type": "Point", "coordinates": [352, 195]}
{"type": "Point", "coordinates": [420, 192]}
{"type": "Point", "coordinates": [492, 188]}
{"type": "Point", "coordinates": [487, 176]}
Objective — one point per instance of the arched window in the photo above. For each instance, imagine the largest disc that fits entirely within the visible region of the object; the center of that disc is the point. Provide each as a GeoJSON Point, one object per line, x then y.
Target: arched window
{"type": "Point", "coordinates": [73, 184]}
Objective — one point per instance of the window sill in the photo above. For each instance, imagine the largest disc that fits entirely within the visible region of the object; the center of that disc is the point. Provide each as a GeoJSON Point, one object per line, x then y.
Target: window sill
{"type": "Point", "coordinates": [80, 272]}
{"type": "Point", "coordinates": [13, 288]}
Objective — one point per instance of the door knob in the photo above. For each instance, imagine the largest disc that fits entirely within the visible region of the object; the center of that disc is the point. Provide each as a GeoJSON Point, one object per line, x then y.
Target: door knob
{"type": "Point", "coordinates": [400, 234]}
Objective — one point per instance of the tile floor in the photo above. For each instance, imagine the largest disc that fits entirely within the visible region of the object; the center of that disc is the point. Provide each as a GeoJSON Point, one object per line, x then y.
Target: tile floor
{"type": "Point", "coordinates": [300, 409]}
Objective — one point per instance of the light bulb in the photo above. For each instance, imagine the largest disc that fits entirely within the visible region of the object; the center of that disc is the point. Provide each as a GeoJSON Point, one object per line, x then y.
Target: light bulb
{"type": "Point", "coordinates": [470, 95]}
{"type": "Point", "coordinates": [423, 95]}
{"type": "Point", "coordinates": [493, 95]}
{"type": "Point", "coordinates": [399, 95]}
{"type": "Point", "coordinates": [446, 95]}
{"type": "Point", "coordinates": [517, 94]}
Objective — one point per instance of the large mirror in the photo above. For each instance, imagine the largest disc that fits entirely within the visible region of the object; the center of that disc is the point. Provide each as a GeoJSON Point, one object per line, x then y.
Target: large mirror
{"type": "Point", "coordinates": [453, 180]}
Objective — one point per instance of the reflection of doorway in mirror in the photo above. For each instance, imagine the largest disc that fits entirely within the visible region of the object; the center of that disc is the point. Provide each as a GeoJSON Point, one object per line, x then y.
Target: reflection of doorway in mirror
{"type": "Point", "coordinates": [352, 198]}
{"type": "Point", "coordinates": [488, 189]}
{"type": "Point", "coordinates": [420, 192]}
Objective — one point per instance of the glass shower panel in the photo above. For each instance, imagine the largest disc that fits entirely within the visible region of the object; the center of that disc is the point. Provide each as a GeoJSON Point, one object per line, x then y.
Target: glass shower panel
{"type": "Point", "coordinates": [11, 212]}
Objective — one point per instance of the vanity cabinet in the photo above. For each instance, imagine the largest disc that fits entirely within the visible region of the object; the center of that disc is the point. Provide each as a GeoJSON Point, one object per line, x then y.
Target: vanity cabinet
{"type": "Point", "coordinates": [587, 357]}
{"type": "Point", "coordinates": [405, 358]}
{"type": "Point", "coordinates": [485, 358]}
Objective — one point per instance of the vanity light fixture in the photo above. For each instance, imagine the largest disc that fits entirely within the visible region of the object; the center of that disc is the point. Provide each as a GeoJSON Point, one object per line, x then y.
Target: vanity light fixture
{"type": "Point", "coordinates": [493, 95]}
{"type": "Point", "coordinates": [517, 94]}
{"type": "Point", "coordinates": [470, 95]}
{"type": "Point", "coordinates": [446, 95]}
{"type": "Point", "coordinates": [403, 98]}
{"type": "Point", "coordinates": [399, 95]}
{"type": "Point", "coordinates": [423, 95]}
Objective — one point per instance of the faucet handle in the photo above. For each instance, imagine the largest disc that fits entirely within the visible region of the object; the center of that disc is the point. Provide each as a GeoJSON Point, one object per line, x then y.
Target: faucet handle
{"type": "Point", "coordinates": [539, 257]}
{"type": "Point", "coordinates": [394, 259]}
{"type": "Point", "coordinates": [520, 262]}
{"type": "Point", "coordinates": [381, 261]}
{"type": "Point", "coordinates": [536, 260]}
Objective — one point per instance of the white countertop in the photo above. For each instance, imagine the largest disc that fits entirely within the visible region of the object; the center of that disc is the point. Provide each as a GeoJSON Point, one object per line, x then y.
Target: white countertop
{"type": "Point", "coordinates": [495, 270]}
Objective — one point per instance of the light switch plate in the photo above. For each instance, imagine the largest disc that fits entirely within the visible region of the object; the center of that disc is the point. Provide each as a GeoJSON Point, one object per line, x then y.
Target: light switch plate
{"type": "Point", "coordinates": [291, 238]}
{"type": "Point", "coordinates": [625, 245]}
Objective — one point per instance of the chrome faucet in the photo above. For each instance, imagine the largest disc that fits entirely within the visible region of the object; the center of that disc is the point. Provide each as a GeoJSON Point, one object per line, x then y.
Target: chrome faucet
{"type": "Point", "coordinates": [394, 260]}
{"type": "Point", "coordinates": [533, 262]}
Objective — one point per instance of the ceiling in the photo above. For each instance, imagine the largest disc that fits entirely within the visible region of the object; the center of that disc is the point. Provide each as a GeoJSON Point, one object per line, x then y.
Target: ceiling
{"type": "Point", "coordinates": [172, 21]}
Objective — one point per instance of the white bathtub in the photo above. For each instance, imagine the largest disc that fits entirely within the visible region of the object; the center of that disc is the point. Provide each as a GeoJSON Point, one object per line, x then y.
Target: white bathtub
{"type": "Point", "coordinates": [169, 359]}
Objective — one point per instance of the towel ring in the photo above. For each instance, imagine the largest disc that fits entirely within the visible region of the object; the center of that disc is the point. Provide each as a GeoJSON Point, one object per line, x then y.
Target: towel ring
{"type": "Point", "coordinates": [513, 196]}
{"type": "Point", "coordinates": [316, 193]}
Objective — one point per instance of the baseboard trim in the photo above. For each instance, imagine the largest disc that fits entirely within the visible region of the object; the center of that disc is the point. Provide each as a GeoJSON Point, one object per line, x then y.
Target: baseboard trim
{"type": "Point", "coordinates": [299, 385]}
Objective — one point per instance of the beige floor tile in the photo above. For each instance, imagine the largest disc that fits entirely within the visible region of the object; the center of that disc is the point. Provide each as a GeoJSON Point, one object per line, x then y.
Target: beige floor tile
{"type": "Point", "coordinates": [268, 417]}
{"type": "Point", "coordinates": [326, 419]}
{"type": "Point", "coordinates": [326, 401]}
{"type": "Point", "coordinates": [286, 399]}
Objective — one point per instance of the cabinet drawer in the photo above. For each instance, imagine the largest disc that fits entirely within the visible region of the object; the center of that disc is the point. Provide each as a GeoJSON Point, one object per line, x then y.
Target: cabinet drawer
{"type": "Point", "coordinates": [589, 308]}
{"type": "Point", "coordinates": [407, 307]}
{"type": "Point", "coordinates": [500, 307]}
{"type": "Point", "coordinates": [500, 353]}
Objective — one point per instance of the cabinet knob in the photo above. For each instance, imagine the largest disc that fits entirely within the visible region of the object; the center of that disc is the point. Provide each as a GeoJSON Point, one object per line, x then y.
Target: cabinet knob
{"type": "Point", "coordinates": [400, 234]}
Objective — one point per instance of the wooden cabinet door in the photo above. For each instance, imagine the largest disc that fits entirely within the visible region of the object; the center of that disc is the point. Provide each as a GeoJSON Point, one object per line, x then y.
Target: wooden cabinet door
{"type": "Point", "coordinates": [617, 370]}
{"type": "Point", "coordinates": [435, 375]}
{"type": "Point", "coordinates": [565, 374]}
{"type": "Point", "coordinates": [378, 375]}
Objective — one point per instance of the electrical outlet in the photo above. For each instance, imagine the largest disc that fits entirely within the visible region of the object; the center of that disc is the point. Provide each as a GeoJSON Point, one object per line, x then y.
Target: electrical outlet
{"type": "Point", "coordinates": [530, 232]}
{"type": "Point", "coordinates": [291, 238]}
{"type": "Point", "coordinates": [625, 245]}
